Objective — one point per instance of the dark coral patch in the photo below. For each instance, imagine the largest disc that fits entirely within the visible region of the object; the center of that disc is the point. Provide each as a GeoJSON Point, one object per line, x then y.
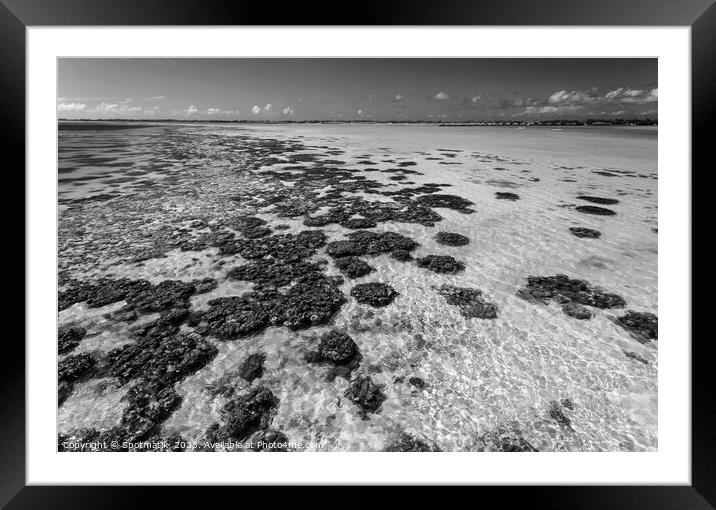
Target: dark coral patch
{"type": "Point", "coordinates": [401, 255]}
{"type": "Point", "coordinates": [598, 200]}
{"type": "Point", "coordinates": [313, 299]}
{"type": "Point", "coordinates": [643, 325]}
{"type": "Point", "coordinates": [577, 311]}
{"type": "Point", "coordinates": [140, 295]}
{"type": "Point", "coordinates": [252, 367]}
{"type": "Point", "coordinates": [356, 223]}
{"type": "Point", "coordinates": [585, 232]}
{"type": "Point", "coordinates": [366, 242]}
{"type": "Point", "coordinates": [375, 294]}
{"type": "Point", "coordinates": [71, 369]}
{"type": "Point", "coordinates": [287, 247]}
{"type": "Point", "coordinates": [418, 382]}
{"type": "Point", "coordinates": [233, 317]}
{"type": "Point", "coordinates": [273, 273]}
{"type": "Point", "coordinates": [69, 337]}
{"type": "Point", "coordinates": [563, 289]}
{"type": "Point", "coordinates": [447, 201]}
{"type": "Point", "coordinates": [443, 264]}
{"type": "Point", "coordinates": [593, 209]}
{"type": "Point", "coordinates": [149, 405]}
{"type": "Point", "coordinates": [248, 413]}
{"type": "Point", "coordinates": [636, 357]}
{"type": "Point", "coordinates": [75, 367]}
{"type": "Point", "coordinates": [556, 412]}
{"type": "Point", "coordinates": [504, 195]}
{"type": "Point", "coordinates": [408, 443]}
{"type": "Point", "coordinates": [353, 267]}
{"type": "Point", "coordinates": [470, 302]}
{"type": "Point", "coordinates": [367, 395]}
{"type": "Point", "coordinates": [335, 347]}
{"type": "Point", "coordinates": [505, 441]}
{"type": "Point", "coordinates": [163, 356]}
{"type": "Point", "coordinates": [451, 239]}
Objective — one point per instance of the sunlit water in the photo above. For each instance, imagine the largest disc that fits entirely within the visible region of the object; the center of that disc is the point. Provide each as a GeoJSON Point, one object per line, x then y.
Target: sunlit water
{"type": "Point", "coordinates": [481, 375]}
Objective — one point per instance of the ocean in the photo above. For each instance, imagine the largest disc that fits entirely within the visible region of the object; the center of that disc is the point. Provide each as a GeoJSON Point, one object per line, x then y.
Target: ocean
{"type": "Point", "coordinates": [194, 202]}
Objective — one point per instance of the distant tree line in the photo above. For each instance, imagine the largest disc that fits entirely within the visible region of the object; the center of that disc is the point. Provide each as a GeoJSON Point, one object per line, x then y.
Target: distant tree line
{"type": "Point", "coordinates": [551, 122]}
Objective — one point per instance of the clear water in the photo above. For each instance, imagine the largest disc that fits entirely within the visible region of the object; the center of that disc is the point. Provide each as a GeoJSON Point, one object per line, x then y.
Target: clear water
{"type": "Point", "coordinates": [481, 375]}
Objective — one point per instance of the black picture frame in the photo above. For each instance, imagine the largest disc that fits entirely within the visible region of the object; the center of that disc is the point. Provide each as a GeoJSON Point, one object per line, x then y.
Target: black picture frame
{"type": "Point", "coordinates": [700, 15]}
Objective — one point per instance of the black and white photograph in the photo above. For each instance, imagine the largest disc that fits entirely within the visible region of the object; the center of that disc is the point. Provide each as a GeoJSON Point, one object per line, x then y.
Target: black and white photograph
{"type": "Point", "coordinates": [357, 255]}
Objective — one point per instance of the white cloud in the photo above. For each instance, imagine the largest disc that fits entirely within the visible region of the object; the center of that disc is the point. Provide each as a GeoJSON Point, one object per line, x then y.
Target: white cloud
{"type": "Point", "coordinates": [532, 110]}
{"type": "Point", "coordinates": [629, 95]}
{"type": "Point", "coordinates": [220, 111]}
{"type": "Point", "coordinates": [570, 98]}
{"type": "Point", "coordinates": [398, 97]}
{"type": "Point", "coordinates": [191, 110]}
{"type": "Point", "coordinates": [288, 111]}
{"type": "Point", "coordinates": [157, 98]}
{"type": "Point", "coordinates": [256, 109]}
{"type": "Point", "coordinates": [476, 98]}
{"type": "Point", "coordinates": [360, 112]}
{"type": "Point", "coordinates": [108, 107]}
{"type": "Point", "coordinates": [268, 107]}
{"type": "Point", "coordinates": [119, 108]}
{"type": "Point", "coordinates": [441, 96]}
{"type": "Point", "coordinates": [116, 108]}
{"type": "Point", "coordinates": [71, 107]}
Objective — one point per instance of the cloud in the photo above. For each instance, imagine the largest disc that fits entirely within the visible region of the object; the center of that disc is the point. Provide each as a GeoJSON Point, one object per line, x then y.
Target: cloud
{"type": "Point", "coordinates": [157, 98]}
{"type": "Point", "coordinates": [618, 95]}
{"type": "Point", "coordinates": [191, 110]}
{"type": "Point", "coordinates": [288, 111]}
{"type": "Point", "coordinates": [256, 109]}
{"type": "Point", "coordinates": [528, 101]}
{"type": "Point", "coordinates": [398, 98]}
{"type": "Point", "coordinates": [440, 96]}
{"type": "Point", "coordinates": [360, 112]}
{"type": "Point", "coordinates": [219, 111]}
{"type": "Point", "coordinates": [532, 110]}
{"type": "Point", "coordinates": [494, 102]}
{"type": "Point", "coordinates": [630, 95]}
{"type": "Point", "coordinates": [564, 98]}
{"type": "Point", "coordinates": [570, 101]}
{"type": "Point", "coordinates": [71, 107]}
{"type": "Point", "coordinates": [119, 108]}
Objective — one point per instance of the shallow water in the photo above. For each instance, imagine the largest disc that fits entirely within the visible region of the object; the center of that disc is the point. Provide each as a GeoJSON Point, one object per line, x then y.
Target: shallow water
{"type": "Point", "coordinates": [121, 191]}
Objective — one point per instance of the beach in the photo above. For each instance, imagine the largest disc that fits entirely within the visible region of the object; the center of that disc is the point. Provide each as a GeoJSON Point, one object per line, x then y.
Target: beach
{"type": "Point", "coordinates": [357, 287]}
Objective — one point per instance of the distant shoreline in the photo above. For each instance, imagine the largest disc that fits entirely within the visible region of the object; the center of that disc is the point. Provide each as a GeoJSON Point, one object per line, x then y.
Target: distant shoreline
{"type": "Point", "coordinates": [484, 123]}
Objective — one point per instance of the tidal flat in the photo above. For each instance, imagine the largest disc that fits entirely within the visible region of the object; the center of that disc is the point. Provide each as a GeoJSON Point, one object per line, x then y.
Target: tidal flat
{"type": "Point", "coordinates": [357, 287]}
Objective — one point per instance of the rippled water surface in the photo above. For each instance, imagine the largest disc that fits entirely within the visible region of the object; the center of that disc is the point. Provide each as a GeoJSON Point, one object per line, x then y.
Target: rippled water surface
{"type": "Point", "coordinates": [123, 193]}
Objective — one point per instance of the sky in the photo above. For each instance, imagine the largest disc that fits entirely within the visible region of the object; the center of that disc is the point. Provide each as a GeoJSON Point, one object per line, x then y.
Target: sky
{"type": "Point", "coordinates": [412, 89]}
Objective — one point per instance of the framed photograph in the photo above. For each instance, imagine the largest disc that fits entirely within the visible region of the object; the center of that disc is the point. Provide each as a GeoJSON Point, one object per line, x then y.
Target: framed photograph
{"type": "Point", "coordinates": [393, 251]}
